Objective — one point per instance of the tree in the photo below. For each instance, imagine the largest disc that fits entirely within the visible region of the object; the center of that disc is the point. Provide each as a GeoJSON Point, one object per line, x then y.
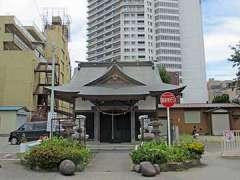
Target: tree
{"type": "Point", "coordinates": [165, 76]}
{"type": "Point", "coordinates": [221, 99]}
{"type": "Point", "coordinates": [235, 59]}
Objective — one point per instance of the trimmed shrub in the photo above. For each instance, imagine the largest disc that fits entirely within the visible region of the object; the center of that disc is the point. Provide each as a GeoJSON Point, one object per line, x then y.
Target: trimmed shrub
{"type": "Point", "coordinates": [178, 153]}
{"type": "Point", "coordinates": [160, 152]}
{"type": "Point", "coordinates": [195, 147]}
{"type": "Point", "coordinates": [153, 152]}
{"type": "Point", "coordinates": [50, 153]}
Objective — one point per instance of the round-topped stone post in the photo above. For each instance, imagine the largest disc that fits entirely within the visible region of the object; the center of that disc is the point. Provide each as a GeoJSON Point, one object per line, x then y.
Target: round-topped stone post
{"type": "Point", "coordinates": [156, 128]}
{"type": "Point", "coordinates": [82, 127]}
{"type": "Point", "coordinates": [141, 119]}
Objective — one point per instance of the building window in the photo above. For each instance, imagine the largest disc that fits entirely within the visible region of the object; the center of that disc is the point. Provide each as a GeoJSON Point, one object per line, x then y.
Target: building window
{"type": "Point", "coordinates": [192, 117]}
{"type": "Point", "coordinates": [126, 57]}
{"type": "Point", "coordinates": [140, 15]}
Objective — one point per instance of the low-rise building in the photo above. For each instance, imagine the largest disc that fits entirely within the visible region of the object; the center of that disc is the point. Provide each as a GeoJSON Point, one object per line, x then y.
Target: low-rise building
{"type": "Point", "coordinates": [12, 117]}
{"type": "Point", "coordinates": [26, 64]}
{"type": "Point", "coordinates": [209, 119]}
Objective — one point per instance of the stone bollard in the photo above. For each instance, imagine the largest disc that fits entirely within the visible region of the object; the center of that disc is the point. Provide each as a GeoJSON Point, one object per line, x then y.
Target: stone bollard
{"type": "Point", "coordinates": [147, 169]}
{"type": "Point", "coordinates": [67, 168]}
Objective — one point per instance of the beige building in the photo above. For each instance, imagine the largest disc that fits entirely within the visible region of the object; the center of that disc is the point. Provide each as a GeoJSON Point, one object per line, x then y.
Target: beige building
{"type": "Point", "coordinates": [25, 63]}
{"type": "Point", "coordinates": [218, 88]}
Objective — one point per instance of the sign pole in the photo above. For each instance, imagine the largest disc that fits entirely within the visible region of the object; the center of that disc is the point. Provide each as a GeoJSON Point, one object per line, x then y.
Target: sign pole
{"type": "Point", "coordinates": [52, 89]}
{"type": "Point", "coordinates": [169, 126]}
{"type": "Point", "coordinates": [168, 100]}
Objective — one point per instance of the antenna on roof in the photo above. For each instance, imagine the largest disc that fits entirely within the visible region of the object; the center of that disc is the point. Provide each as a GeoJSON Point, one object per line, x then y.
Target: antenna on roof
{"type": "Point", "coordinates": [57, 16]}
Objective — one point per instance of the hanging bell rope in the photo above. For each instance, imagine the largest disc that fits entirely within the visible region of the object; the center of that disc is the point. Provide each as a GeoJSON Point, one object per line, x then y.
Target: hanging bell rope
{"type": "Point", "coordinates": [114, 114]}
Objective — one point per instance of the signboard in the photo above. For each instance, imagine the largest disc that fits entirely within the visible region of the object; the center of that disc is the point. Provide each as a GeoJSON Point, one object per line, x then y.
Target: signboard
{"type": "Point", "coordinates": [50, 117]}
{"type": "Point", "coordinates": [228, 136]}
{"type": "Point", "coordinates": [168, 99]}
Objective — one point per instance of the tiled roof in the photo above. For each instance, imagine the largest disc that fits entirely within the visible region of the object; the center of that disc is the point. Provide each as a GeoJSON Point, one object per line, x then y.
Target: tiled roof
{"type": "Point", "coordinates": [139, 72]}
{"type": "Point", "coordinates": [204, 105]}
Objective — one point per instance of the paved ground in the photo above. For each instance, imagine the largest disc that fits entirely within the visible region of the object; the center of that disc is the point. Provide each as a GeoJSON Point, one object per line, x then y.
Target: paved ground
{"type": "Point", "coordinates": [5, 147]}
{"type": "Point", "coordinates": [116, 166]}
{"type": "Point", "coordinates": [7, 151]}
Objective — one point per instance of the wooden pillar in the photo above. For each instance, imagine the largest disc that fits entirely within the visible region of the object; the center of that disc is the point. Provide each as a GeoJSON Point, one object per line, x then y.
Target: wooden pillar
{"type": "Point", "coordinates": [96, 126]}
{"type": "Point", "coordinates": [74, 109]}
{"type": "Point", "coordinates": [132, 125]}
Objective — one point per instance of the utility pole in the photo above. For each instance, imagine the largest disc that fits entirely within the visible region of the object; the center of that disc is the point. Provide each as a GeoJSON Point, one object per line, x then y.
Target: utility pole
{"type": "Point", "coordinates": [52, 89]}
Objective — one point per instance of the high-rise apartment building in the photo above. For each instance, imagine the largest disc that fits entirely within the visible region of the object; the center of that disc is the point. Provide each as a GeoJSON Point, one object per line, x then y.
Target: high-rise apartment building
{"type": "Point", "coordinates": [120, 30]}
{"type": "Point", "coordinates": [168, 32]}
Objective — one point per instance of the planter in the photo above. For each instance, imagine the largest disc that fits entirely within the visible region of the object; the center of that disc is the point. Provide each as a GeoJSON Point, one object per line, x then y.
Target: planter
{"type": "Point", "coordinates": [178, 166]}
{"type": "Point", "coordinates": [196, 162]}
{"type": "Point", "coordinates": [164, 167]}
{"type": "Point", "coordinates": [175, 166]}
{"type": "Point", "coordinates": [188, 164]}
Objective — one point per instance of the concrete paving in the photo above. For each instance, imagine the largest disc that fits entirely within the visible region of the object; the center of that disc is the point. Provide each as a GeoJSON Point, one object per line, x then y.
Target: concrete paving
{"type": "Point", "coordinates": [6, 147]}
{"type": "Point", "coordinates": [115, 165]}
{"type": "Point", "coordinates": [7, 151]}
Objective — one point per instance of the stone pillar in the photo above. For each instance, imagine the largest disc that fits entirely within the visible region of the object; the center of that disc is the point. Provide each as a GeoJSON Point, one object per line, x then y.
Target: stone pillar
{"type": "Point", "coordinates": [133, 125]}
{"type": "Point", "coordinates": [96, 126]}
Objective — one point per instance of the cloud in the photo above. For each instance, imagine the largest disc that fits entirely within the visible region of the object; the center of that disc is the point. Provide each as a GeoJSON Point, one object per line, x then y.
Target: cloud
{"type": "Point", "coordinates": [221, 70]}
{"type": "Point", "coordinates": [224, 32]}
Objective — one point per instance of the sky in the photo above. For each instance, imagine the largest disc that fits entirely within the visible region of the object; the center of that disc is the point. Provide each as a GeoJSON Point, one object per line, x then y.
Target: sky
{"type": "Point", "coordinates": [221, 23]}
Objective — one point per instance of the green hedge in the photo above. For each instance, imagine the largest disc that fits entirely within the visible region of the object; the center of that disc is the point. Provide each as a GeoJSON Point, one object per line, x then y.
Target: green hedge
{"type": "Point", "coordinates": [160, 152]}
{"type": "Point", "coordinates": [49, 154]}
{"type": "Point", "coordinates": [153, 152]}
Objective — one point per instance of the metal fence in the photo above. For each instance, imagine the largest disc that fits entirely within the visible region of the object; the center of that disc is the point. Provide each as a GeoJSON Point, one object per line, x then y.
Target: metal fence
{"type": "Point", "coordinates": [231, 143]}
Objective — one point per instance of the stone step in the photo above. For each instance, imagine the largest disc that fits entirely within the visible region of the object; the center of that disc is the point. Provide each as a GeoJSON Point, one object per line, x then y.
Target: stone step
{"type": "Point", "coordinates": [231, 154]}
{"type": "Point", "coordinates": [111, 147]}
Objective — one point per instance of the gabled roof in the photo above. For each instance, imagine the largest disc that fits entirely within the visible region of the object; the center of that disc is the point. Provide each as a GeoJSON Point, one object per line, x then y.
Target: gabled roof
{"type": "Point", "coordinates": [114, 73]}
{"type": "Point", "coordinates": [115, 79]}
{"type": "Point", "coordinates": [12, 108]}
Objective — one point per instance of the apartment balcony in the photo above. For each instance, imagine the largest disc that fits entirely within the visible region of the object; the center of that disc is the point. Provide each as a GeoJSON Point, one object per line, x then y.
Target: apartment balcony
{"type": "Point", "coordinates": [103, 45]}
{"type": "Point", "coordinates": [13, 42]}
{"type": "Point", "coordinates": [106, 58]}
{"type": "Point", "coordinates": [101, 14]}
{"type": "Point", "coordinates": [113, 36]}
{"type": "Point", "coordinates": [104, 32]}
{"type": "Point", "coordinates": [105, 51]}
{"type": "Point", "coordinates": [105, 41]}
{"type": "Point", "coordinates": [93, 5]}
{"type": "Point", "coordinates": [106, 27]}
{"type": "Point", "coordinates": [103, 20]}
{"type": "Point", "coordinates": [113, 20]}
{"type": "Point", "coordinates": [13, 26]}
{"type": "Point", "coordinates": [98, 8]}
{"type": "Point", "coordinates": [36, 33]}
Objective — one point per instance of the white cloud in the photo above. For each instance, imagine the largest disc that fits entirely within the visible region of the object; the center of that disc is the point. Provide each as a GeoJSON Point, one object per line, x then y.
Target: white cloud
{"type": "Point", "coordinates": [219, 37]}
{"type": "Point", "coordinates": [29, 11]}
